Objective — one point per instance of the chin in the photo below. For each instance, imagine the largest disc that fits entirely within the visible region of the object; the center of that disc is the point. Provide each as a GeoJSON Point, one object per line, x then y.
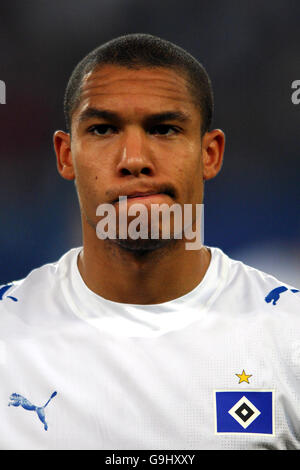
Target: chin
{"type": "Point", "coordinates": [143, 246]}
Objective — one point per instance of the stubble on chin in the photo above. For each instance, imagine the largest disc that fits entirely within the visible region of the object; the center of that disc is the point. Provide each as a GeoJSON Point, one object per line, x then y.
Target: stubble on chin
{"type": "Point", "coordinates": [140, 246]}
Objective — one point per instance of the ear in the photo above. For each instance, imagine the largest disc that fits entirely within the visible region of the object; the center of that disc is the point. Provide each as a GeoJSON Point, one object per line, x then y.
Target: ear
{"type": "Point", "coordinates": [64, 161]}
{"type": "Point", "coordinates": [213, 144]}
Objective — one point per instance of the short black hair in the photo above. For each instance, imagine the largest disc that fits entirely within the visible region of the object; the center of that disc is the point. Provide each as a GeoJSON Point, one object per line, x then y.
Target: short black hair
{"type": "Point", "coordinates": [138, 51]}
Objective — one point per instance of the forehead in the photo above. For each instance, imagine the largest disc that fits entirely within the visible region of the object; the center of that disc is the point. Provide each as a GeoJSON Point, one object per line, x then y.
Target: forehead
{"type": "Point", "coordinates": [135, 90]}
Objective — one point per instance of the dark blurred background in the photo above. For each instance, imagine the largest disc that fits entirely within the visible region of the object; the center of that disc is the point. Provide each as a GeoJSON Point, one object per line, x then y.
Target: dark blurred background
{"type": "Point", "coordinates": [251, 50]}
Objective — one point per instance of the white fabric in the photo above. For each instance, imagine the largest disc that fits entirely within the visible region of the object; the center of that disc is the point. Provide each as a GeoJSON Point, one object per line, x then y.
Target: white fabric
{"type": "Point", "coordinates": [143, 376]}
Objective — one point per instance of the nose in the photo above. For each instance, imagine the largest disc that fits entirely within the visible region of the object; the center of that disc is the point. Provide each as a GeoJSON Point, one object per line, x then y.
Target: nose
{"type": "Point", "coordinates": [135, 157]}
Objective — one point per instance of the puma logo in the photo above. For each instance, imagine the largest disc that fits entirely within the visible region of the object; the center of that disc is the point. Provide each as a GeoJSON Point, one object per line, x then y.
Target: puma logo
{"type": "Point", "coordinates": [19, 400]}
{"type": "Point", "coordinates": [274, 295]}
{"type": "Point", "coordinates": [3, 290]}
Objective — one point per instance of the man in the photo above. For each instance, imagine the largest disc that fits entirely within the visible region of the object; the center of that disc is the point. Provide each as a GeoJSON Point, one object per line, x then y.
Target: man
{"type": "Point", "coordinates": [141, 343]}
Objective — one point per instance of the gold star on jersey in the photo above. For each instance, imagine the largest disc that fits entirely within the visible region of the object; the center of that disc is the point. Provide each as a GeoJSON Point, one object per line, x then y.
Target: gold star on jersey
{"type": "Point", "coordinates": [243, 377]}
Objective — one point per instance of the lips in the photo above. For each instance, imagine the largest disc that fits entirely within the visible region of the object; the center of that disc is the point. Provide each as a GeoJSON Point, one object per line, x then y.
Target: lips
{"type": "Point", "coordinates": [142, 197]}
{"type": "Point", "coordinates": [142, 191]}
{"type": "Point", "coordinates": [142, 194]}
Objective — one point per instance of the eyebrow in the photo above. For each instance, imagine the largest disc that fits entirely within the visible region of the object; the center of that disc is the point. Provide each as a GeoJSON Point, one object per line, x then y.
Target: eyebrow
{"type": "Point", "coordinates": [168, 116]}
{"type": "Point", "coordinates": [92, 113]}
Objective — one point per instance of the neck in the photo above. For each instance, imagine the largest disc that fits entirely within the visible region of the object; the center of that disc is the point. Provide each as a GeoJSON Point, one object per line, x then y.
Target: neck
{"type": "Point", "coordinates": [141, 277]}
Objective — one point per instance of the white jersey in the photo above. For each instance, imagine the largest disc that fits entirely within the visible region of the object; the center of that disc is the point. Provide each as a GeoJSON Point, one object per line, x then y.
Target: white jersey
{"type": "Point", "coordinates": [218, 368]}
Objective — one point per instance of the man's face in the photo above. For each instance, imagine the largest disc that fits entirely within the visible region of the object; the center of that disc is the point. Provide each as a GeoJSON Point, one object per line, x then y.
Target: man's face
{"type": "Point", "coordinates": [134, 132]}
{"type": "Point", "coordinates": [148, 138]}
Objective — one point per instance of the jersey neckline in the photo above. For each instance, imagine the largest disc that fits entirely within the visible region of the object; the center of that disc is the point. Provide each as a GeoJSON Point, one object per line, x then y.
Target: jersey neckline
{"type": "Point", "coordinates": [123, 319]}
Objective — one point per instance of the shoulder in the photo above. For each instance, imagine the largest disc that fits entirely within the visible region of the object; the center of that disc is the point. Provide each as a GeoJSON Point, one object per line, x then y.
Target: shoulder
{"type": "Point", "coordinates": [248, 286]}
{"type": "Point", "coordinates": [38, 288]}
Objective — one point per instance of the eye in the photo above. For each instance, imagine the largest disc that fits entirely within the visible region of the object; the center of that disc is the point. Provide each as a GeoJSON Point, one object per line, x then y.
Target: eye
{"type": "Point", "coordinates": [164, 129]}
{"type": "Point", "coordinates": [102, 129]}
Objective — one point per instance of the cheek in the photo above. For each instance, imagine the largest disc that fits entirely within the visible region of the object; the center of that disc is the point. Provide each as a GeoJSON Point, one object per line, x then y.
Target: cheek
{"type": "Point", "coordinates": [189, 175]}
{"type": "Point", "coordinates": [195, 187]}
{"type": "Point", "coordinates": [90, 179]}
